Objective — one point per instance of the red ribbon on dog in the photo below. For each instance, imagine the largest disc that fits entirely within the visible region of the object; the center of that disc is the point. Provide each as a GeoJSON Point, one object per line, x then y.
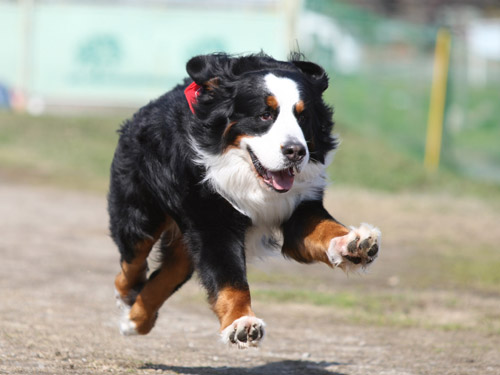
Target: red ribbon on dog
{"type": "Point", "coordinates": [192, 92]}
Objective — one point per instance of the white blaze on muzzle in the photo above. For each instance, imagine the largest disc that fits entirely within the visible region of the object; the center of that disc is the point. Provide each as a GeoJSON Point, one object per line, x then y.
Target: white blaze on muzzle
{"type": "Point", "coordinates": [268, 148]}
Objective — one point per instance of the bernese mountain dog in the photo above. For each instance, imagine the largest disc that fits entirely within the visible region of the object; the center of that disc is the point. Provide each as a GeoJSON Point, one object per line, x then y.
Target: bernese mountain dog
{"type": "Point", "coordinates": [229, 164]}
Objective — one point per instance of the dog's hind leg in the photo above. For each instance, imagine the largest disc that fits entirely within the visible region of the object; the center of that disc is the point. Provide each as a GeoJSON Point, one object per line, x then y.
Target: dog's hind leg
{"type": "Point", "coordinates": [175, 270]}
{"type": "Point", "coordinates": [134, 265]}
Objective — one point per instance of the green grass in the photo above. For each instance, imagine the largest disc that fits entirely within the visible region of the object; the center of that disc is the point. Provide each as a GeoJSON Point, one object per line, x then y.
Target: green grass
{"type": "Point", "coordinates": [385, 106]}
{"type": "Point", "coordinates": [398, 308]}
{"type": "Point", "coordinates": [77, 151]}
{"type": "Point", "coordinates": [69, 151]}
{"type": "Point", "coordinates": [343, 300]}
{"type": "Point", "coordinates": [480, 269]}
{"type": "Point", "coordinates": [457, 267]}
{"type": "Point", "coordinates": [382, 123]}
{"type": "Point", "coordinates": [353, 306]}
{"type": "Point", "coordinates": [375, 163]}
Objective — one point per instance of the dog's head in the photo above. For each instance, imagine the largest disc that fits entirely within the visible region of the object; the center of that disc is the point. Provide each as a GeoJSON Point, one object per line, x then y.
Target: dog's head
{"type": "Point", "coordinates": [269, 112]}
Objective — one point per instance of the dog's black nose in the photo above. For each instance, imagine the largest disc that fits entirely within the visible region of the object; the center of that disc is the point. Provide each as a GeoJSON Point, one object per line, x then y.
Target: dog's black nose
{"type": "Point", "coordinates": [295, 152]}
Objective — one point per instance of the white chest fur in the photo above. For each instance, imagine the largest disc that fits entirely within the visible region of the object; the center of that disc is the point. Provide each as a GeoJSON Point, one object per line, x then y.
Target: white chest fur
{"type": "Point", "coordinates": [232, 176]}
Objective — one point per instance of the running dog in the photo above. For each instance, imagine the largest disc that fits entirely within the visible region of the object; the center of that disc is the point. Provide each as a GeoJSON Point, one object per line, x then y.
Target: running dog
{"type": "Point", "coordinates": [228, 164]}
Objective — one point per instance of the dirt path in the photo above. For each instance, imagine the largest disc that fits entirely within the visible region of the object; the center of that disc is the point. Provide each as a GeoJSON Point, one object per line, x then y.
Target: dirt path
{"type": "Point", "coordinates": [57, 313]}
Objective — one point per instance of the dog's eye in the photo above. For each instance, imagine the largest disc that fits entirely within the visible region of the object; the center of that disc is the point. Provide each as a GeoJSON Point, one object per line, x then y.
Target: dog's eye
{"type": "Point", "coordinates": [266, 116]}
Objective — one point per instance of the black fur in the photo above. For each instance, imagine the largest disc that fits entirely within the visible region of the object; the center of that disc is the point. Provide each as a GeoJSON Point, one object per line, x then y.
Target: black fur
{"type": "Point", "coordinates": [155, 175]}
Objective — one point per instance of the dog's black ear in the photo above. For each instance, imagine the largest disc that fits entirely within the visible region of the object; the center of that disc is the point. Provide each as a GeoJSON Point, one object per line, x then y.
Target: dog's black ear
{"type": "Point", "coordinates": [210, 103]}
{"type": "Point", "coordinates": [204, 69]}
{"type": "Point", "coordinates": [315, 73]}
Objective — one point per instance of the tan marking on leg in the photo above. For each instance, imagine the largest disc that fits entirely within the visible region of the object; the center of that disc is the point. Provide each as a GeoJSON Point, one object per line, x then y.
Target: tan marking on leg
{"type": "Point", "coordinates": [317, 237]}
{"type": "Point", "coordinates": [176, 267]}
{"type": "Point", "coordinates": [134, 273]}
{"type": "Point", "coordinates": [232, 304]}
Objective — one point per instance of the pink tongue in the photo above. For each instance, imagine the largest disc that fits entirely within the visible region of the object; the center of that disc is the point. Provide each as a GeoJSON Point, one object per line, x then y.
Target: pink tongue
{"type": "Point", "coordinates": [282, 180]}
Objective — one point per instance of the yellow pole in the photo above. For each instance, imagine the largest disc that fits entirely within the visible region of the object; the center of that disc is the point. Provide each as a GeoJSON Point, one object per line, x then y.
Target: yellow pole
{"type": "Point", "coordinates": [438, 100]}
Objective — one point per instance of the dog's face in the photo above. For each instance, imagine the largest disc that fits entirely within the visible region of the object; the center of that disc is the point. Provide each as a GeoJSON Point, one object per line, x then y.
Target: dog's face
{"type": "Point", "coordinates": [262, 127]}
{"type": "Point", "coordinates": [266, 123]}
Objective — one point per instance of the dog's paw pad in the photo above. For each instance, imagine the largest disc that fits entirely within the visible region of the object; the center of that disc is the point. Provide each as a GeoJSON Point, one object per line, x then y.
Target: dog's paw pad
{"type": "Point", "coordinates": [244, 332]}
{"type": "Point", "coordinates": [358, 248]}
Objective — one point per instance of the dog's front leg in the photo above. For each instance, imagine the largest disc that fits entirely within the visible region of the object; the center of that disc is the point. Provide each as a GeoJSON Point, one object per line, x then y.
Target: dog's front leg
{"type": "Point", "coordinates": [239, 325]}
{"type": "Point", "coordinates": [221, 266]}
{"type": "Point", "coordinates": [313, 235]}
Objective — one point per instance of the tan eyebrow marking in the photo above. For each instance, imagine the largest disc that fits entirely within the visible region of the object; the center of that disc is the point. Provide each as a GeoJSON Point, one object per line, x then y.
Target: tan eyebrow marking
{"type": "Point", "coordinates": [272, 102]}
{"type": "Point", "coordinates": [299, 107]}
{"type": "Point", "coordinates": [211, 84]}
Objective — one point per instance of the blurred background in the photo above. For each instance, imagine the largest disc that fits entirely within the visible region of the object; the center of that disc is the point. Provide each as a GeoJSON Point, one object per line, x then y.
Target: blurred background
{"type": "Point", "coordinates": [418, 116]}
{"type": "Point", "coordinates": [110, 57]}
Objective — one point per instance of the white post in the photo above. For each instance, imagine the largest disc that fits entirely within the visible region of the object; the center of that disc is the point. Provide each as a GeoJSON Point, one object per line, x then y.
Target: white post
{"type": "Point", "coordinates": [24, 84]}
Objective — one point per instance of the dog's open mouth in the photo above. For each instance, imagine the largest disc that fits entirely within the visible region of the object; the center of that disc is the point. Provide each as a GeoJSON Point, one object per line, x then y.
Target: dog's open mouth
{"type": "Point", "coordinates": [281, 181]}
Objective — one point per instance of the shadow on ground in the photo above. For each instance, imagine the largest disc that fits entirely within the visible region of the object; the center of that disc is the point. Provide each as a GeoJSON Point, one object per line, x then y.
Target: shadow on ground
{"type": "Point", "coordinates": [273, 368]}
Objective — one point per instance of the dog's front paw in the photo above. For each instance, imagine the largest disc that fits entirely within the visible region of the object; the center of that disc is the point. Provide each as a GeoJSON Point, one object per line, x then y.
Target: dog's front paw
{"type": "Point", "coordinates": [358, 248]}
{"type": "Point", "coordinates": [244, 332]}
